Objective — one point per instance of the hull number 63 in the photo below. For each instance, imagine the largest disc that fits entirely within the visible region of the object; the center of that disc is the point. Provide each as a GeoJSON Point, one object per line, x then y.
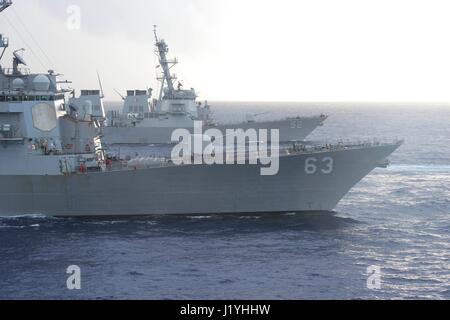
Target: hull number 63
{"type": "Point", "coordinates": [314, 165]}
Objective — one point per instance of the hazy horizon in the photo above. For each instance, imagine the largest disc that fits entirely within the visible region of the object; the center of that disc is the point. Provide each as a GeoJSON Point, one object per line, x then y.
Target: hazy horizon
{"type": "Point", "coordinates": [285, 51]}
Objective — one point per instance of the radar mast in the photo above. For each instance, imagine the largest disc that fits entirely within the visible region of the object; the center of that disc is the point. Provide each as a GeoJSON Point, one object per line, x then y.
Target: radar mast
{"type": "Point", "coordinates": [161, 50]}
{"type": "Point", "coordinates": [4, 42]}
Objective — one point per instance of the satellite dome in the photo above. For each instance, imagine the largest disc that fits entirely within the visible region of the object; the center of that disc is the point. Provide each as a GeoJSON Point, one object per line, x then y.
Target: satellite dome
{"type": "Point", "coordinates": [41, 83]}
{"type": "Point", "coordinates": [18, 84]}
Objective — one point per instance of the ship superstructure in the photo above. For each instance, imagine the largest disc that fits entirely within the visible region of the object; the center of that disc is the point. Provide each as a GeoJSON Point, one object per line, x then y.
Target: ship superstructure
{"type": "Point", "coordinates": [90, 100]}
{"type": "Point", "coordinates": [39, 132]}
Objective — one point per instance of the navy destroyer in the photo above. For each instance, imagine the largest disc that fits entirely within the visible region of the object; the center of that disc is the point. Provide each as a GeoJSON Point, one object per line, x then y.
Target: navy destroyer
{"type": "Point", "coordinates": [52, 163]}
{"type": "Point", "coordinates": [145, 121]}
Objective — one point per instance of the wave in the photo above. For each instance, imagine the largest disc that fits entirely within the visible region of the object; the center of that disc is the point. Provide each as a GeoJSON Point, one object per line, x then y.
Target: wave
{"type": "Point", "coordinates": [12, 227]}
{"type": "Point", "coordinates": [200, 217]}
{"type": "Point", "coordinates": [420, 168]}
{"type": "Point", "coordinates": [26, 216]}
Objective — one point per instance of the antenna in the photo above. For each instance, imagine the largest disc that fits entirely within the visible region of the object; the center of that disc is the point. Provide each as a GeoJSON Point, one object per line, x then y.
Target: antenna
{"type": "Point", "coordinates": [123, 98]}
{"type": "Point", "coordinates": [3, 40]}
{"type": "Point", "coordinates": [4, 43]}
{"type": "Point", "coordinates": [18, 57]}
{"type": "Point", "coordinates": [150, 91]}
{"type": "Point", "coordinates": [101, 86]}
{"type": "Point", "coordinates": [154, 31]}
{"type": "Point", "coordinates": [17, 60]}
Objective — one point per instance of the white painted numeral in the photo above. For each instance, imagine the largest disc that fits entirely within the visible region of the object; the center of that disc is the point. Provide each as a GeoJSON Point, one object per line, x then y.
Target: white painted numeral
{"type": "Point", "coordinates": [296, 124]}
{"type": "Point", "coordinates": [329, 162]}
{"type": "Point", "coordinates": [311, 165]}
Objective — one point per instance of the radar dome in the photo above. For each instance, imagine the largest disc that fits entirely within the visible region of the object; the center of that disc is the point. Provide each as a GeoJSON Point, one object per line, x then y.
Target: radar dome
{"type": "Point", "coordinates": [18, 84]}
{"type": "Point", "coordinates": [41, 83]}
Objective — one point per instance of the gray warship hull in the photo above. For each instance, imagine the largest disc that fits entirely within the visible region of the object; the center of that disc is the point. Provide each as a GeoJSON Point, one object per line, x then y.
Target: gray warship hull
{"type": "Point", "coordinates": [193, 189]}
{"type": "Point", "coordinates": [290, 130]}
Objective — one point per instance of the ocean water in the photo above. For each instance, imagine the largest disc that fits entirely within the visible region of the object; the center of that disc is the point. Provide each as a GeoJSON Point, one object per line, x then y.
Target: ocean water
{"type": "Point", "coordinates": [397, 219]}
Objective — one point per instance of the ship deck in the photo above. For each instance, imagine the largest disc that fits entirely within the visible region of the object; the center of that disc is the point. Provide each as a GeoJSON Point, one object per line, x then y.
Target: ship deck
{"type": "Point", "coordinates": [285, 150]}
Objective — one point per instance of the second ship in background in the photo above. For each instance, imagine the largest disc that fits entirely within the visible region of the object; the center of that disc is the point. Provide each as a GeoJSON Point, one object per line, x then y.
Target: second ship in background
{"type": "Point", "coordinates": [144, 120]}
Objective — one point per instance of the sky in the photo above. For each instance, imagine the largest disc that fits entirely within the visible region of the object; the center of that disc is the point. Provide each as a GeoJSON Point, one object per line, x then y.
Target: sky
{"type": "Point", "coordinates": [244, 50]}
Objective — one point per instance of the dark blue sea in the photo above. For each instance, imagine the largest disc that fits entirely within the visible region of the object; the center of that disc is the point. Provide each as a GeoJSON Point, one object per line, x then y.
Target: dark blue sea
{"type": "Point", "coordinates": [397, 219]}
